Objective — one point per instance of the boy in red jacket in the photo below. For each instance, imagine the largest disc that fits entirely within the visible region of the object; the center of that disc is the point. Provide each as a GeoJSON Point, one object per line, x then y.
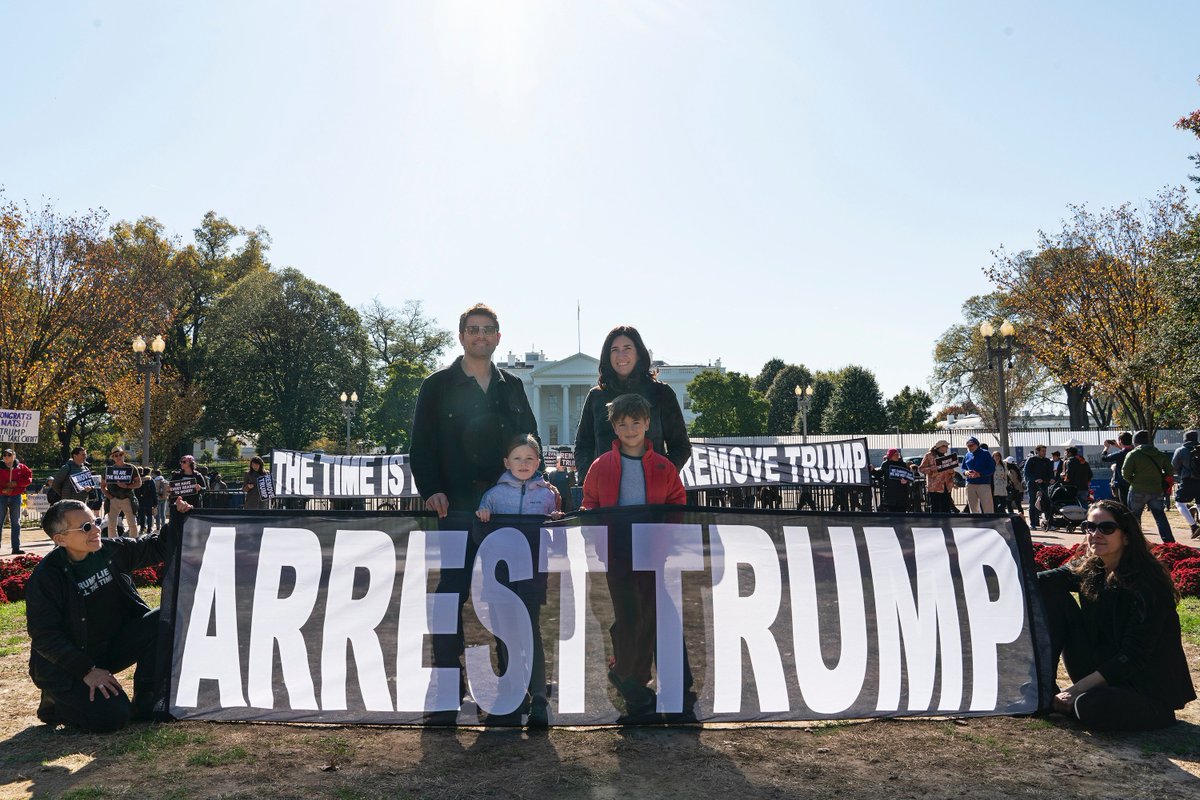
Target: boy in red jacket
{"type": "Point", "coordinates": [631, 474]}
{"type": "Point", "coordinates": [628, 475]}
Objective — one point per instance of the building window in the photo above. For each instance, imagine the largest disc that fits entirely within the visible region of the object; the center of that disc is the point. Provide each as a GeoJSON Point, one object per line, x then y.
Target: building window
{"type": "Point", "coordinates": [553, 434]}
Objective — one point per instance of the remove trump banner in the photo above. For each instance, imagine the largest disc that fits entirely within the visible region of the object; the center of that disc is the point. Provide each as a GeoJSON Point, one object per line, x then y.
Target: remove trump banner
{"type": "Point", "coordinates": [714, 465]}
{"type": "Point", "coordinates": [646, 614]}
{"type": "Point", "coordinates": [298, 474]}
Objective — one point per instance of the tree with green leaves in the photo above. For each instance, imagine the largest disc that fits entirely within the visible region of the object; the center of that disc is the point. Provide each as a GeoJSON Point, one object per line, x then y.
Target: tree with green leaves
{"type": "Point", "coordinates": [909, 411]}
{"type": "Point", "coordinates": [823, 383]}
{"type": "Point", "coordinates": [960, 365]}
{"type": "Point", "coordinates": [766, 375]}
{"type": "Point", "coordinates": [726, 405]}
{"type": "Point", "coordinates": [781, 399]}
{"type": "Point", "coordinates": [856, 405]}
{"type": "Point", "coordinates": [280, 376]}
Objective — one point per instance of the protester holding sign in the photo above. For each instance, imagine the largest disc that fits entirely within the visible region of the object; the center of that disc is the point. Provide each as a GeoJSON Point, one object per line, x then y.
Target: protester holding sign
{"type": "Point", "coordinates": [938, 468]}
{"type": "Point", "coordinates": [15, 478]}
{"type": "Point", "coordinates": [86, 622]}
{"type": "Point", "coordinates": [73, 481]}
{"type": "Point", "coordinates": [251, 484]}
{"type": "Point", "coordinates": [1121, 644]}
{"type": "Point", "coordinates": [118, 485]}
{"type": "Point", "coordinates": [895, 476]}
{"type": "Point", "coordinates": [625, 368]}
{"type": "Point", "coordinates": [187, 483]}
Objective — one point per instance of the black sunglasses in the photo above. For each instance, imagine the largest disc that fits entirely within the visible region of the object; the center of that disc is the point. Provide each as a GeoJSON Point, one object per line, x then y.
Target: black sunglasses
{"type": "Point", "coordinates": [1108, 527]}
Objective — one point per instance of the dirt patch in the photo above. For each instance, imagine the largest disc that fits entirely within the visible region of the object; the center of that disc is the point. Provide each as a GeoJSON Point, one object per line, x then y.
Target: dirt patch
{"type": "Point", "coordinates": [998, 757]}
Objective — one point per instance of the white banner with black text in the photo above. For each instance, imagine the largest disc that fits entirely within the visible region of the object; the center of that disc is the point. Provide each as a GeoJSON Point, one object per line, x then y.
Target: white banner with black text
{"type": "Point", "coordinates": [714, 465]}
{"type": "Point", "coordinates": [647, 614]}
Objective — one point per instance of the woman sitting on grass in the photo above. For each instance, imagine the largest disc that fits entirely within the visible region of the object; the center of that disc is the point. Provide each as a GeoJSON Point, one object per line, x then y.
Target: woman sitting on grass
{"type": "Point", "coordinates": [1121, 644]}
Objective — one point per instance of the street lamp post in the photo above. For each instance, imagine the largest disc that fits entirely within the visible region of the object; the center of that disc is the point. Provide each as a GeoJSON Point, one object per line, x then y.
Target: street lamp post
{"type": "Point", "coordinates": [803, 403]}
{"type": "Point", "coordinates": [148, 365]}
{"type": "Point", "coordinates": [998, 356]}
{"type": "Point", "coordinates": [349, 406]}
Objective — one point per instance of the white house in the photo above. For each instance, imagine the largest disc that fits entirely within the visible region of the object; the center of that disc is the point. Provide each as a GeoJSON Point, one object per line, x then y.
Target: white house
{"type": "Point", "coordinates": [557, 389]}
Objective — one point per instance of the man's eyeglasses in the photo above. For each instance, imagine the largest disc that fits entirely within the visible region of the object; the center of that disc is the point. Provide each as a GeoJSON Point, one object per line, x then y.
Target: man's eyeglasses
{"type": "Point", "coordinates": [1108, 527]}
{"type": "Point", "coordinates": [86, 527]}
{"type": "Point", "coordinates": [486, 330]}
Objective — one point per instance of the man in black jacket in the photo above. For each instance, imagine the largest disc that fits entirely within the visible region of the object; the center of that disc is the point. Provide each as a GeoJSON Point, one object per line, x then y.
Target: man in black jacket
{"type": "Point", "coordinates": [1039, 474]}
{"type": "Point", "coordinates": [466, 414]}
{"type": "Point", "coordinates": [86, 621]}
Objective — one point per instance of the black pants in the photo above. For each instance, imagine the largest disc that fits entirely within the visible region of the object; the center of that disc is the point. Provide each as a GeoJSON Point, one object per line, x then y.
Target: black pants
{"type": "Point", "coordinates": [1113, 708]}
{"type": "Point", "coordinates": [939, 502]}
{"type": "Point", "coordinates": [1120, 493]}
{"type": "Point", "coordinates": [65, 698]}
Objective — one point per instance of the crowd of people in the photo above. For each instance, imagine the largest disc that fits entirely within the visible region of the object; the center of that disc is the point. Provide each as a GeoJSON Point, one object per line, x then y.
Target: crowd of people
{"type": "Point", "coordinates": [476, 453]}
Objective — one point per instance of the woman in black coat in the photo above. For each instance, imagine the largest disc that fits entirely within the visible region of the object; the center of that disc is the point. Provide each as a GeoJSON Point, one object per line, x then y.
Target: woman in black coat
{"type": "Point", "coordinates": [625, 369]}
{"type": "Point", "coordinates": [1121, 644]}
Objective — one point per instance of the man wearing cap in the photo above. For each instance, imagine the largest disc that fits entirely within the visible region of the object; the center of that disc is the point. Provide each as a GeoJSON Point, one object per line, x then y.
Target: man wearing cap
{"type": "Point", "coordinates": [120, 493]}
{"type": "Point", "coordinates": [978, 468]}
{"type": "Point", "coordinates": [1039, 474]}
{"type": "Point", "coordinates": [1186, 462]}
{"type": "Point", "coordinates": [15, 478]}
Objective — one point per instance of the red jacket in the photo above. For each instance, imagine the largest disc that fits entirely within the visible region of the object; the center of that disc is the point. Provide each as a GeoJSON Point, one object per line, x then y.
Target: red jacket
{"type": "Point", "coordinates": [20, 476]}
{"type": "Point", "coordinates": [603, 482]}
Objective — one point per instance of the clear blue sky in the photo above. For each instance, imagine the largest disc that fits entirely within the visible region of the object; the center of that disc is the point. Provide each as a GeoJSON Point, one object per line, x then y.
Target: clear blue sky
{"type": "Point", "coordinates": [823, 182]}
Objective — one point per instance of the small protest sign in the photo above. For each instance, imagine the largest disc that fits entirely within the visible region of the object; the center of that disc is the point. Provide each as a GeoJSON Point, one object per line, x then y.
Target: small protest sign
{"type": "Point", "coordinates": [84, 481]}
{"type": "Point", "coordinates": [119, 474]}
{"type": "Point", "coordinates": [184, 486]}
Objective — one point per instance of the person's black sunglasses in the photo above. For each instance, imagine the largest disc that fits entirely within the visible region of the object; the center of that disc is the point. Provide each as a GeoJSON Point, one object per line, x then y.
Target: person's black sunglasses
{"type": "Point", "coordinates": [1108, 527]}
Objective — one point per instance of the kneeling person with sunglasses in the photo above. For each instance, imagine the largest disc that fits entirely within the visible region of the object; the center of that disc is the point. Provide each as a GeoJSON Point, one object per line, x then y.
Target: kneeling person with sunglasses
{"type": "Point", "coordinates": [1121, 644]}
{"type": "Point", "coordinates": [87, 621]}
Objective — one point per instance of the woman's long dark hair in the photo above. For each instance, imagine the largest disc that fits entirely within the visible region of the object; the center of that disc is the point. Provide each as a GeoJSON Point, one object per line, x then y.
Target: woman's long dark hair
{"type": "Point", "coordinates": [641, 372]}
{"type": "Point", "coordinates": [1138, 570]}
{"type": "Point", "coordinates": [261, 466]}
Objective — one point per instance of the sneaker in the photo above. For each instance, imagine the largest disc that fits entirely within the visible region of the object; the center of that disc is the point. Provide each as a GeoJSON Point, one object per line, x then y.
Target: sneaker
{"type": "Point", "coordinates": [1196, 530]}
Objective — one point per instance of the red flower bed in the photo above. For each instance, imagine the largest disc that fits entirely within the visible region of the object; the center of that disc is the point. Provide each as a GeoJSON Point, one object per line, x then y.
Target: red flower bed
{"type": "Point", "coordinates": [3, 596]}
{"type": "Point", "coordinates": [14, 586]}
{"type": "Point", "coordinates": [1170, 552]}
{"type": "Point", "coordinates": [1187, 581]}
{"type": "Point", "coordinates": [1051, 556]}
{"type": "Point", "coordinates": [1187, 563]}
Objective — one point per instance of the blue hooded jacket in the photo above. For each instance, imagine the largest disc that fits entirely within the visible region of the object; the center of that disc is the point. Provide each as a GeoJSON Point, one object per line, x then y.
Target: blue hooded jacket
{"type": "Point", "coordinates": [511, 495]}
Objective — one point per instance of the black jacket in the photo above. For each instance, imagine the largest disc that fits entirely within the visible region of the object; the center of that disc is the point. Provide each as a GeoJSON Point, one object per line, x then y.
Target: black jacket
{"type": "Point", "coordinates": [1117, 459]}
{"type": "Point", "coordinates": [1038, 468]}
{"type": "Point", "coordinates": [459, 433]}
{"type": "Point", "coordinates": [56, 613]}
{"type": "Point", "coordinates": [668, 432]}
{"type": "Point", "coordinates": [1077, 473]}
{"type": "Point", "coordinates": [1136, 638]}
{"type": "Point", "coordinates": [895, 493]}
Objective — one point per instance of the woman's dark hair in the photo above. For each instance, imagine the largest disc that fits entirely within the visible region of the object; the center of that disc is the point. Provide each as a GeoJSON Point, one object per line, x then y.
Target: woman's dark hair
{"type": "Point", "coordinates": [261, 466]}
{"type": "Point", "coordinates": [1138, 570]}
{"type": "Point", "coordinates": [641, 372]}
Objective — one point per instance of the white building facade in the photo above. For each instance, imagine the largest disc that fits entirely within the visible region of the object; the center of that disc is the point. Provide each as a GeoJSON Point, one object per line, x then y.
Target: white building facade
{"type": "Point", "coordinates": [557, 389]}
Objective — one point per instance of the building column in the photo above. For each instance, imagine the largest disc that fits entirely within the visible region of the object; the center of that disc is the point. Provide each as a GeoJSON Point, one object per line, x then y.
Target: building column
{"type": "Point", "coordinates": [563, 435]}
{"type": "Point", "coordinates": [535, 406]}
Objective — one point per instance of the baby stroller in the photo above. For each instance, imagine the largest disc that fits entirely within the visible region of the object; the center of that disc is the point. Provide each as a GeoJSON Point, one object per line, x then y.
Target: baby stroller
{"type": "Point", "coordinates": [1064, 509]}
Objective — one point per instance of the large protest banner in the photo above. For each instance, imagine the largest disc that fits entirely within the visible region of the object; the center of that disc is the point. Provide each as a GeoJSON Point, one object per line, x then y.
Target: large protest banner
{"type": "Point", "coordinates": [329, 617]}
{"type": "Point", "coordinates": [714, 465]}
{"type": "Point", "coordinates": [299, 474]}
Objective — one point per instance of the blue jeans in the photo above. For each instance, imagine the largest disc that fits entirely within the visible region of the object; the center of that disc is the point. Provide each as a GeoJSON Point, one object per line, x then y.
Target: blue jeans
{"type": "Point", "coordinates": [1138, 502]}
{"type": "Point", "coordinates": [10, 506]}
{"type": "Point", "coordinates": [160, 513]}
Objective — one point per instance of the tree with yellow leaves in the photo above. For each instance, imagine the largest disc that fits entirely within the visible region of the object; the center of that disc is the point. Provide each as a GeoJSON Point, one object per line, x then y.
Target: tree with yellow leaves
{"type": "Point", "coordinates": [1087, 301]}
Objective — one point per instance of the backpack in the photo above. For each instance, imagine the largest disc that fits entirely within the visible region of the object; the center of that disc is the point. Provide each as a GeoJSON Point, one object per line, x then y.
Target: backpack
{"type": "Point", "coordinates": [1193, 462]}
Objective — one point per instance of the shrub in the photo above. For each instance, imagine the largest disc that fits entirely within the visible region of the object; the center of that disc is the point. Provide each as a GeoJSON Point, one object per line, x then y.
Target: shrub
{"type": "Point", "coordinates": [3, 596]}
{"type": "Point", "coordinates": [144, 577]}
{"type": "Point", "coordinates": [1186, 563]}
{"type": "Point", "coordinates": [1187, 581]}
{"type": "Point", "coordinates": [1051, 556]}
{"type": "Point", "coordinates": [1170, 552]}
{"type": "Point", "coordinates": [14, 586]}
